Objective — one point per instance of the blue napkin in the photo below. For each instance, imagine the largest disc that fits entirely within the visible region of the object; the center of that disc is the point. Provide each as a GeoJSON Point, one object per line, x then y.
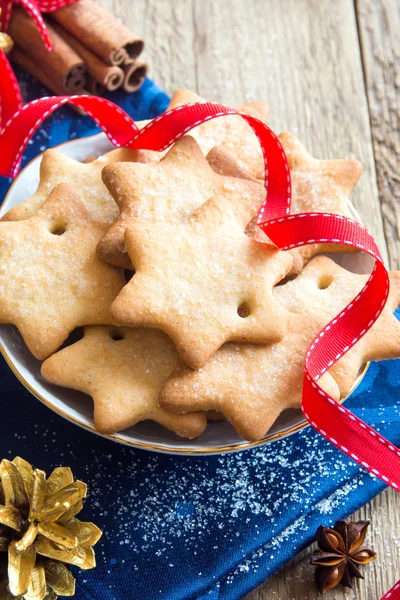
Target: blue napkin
{"type": "Point", "coordinates": [204, 528]}
{"type": "Point", "coordinates": [66, 124]}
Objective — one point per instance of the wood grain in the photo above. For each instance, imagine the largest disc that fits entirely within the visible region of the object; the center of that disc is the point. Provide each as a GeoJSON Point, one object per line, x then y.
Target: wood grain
{"type": "Point", "coordinates": [379, 26]}
{"type": "Point", "coordinates": [304, 58]}
{"type": "Point", "coordinates": [310, 74]}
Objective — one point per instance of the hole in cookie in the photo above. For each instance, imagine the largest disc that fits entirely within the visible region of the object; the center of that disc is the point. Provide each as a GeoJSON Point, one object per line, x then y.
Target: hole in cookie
{"type": "Point", "coordinates": [243, 311]}
{"type": "Point", "coordinates": [117, 335]}
{"type": "Point", "coordinates": [58, 228]}
{"type": "Point", "coordinates": [325, 281]}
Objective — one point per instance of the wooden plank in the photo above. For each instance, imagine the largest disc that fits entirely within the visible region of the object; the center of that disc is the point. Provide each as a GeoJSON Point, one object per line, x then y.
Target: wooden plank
{"type": "Point", "coordinates": [379, 26]}
{"type": "Point", "coordinates": [303, 57]}
{"type": "Point", "coordinates": [168, 30]}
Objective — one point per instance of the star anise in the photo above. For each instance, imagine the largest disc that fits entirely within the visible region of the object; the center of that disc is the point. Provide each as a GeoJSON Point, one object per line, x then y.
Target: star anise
{"type": "Point", "coordinates": [340, 554]}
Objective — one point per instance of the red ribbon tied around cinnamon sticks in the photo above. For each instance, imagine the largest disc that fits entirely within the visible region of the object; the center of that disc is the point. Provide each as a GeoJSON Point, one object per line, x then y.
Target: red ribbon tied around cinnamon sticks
{"type": "Point", "coordinates": [34, 8]}
{"type": "Point", "coordinates": [333, 421]}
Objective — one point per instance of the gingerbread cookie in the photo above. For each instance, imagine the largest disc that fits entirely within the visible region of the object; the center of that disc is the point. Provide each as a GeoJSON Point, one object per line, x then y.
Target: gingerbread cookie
{"type": "Point", "coordinates": [204, 281]}
{"type": "Point", "coordinates": [170, 190]}
{"type": "Point", "coordinates": [123, 370]}
{"type": "Point", "coordinates": [336, 288]}
{"type": "Point", "coordinates": [251, 385]}
{"type": "Point", "coordinates": [51, 279]}
{"type": "Point", "coordinates": [319, 186]}
{"type": "Point", "coordinates": [57, 167]}
{"type": "Point", "coordinates": [231, 133]}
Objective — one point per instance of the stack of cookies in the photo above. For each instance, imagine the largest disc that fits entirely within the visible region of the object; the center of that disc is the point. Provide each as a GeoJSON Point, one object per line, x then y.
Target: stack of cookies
{"type": "Point", "coordinates": [186, 306]}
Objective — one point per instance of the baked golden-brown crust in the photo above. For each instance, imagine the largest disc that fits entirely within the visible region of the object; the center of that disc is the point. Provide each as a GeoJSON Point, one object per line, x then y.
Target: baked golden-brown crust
{"type": "Point", "coordinates": [194, 279]}
{"type": "Point", "coordinates": [167, 191]}
{"type": "Point", "coordinates": [123, 370]}
{"type": "Point", "coordinates": [51, 279]}
{"type": "Point", "coordinates": [251, 385]}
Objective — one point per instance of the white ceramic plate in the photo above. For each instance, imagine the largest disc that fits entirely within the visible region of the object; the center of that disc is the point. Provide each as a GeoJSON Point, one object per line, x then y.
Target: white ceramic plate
{"type": "Point", "coordinates": [76, 407]}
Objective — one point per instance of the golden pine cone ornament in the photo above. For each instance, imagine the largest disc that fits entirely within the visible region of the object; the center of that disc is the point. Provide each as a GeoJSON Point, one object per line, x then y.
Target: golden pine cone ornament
{"type": "Point", "coordinates": [39, 532]}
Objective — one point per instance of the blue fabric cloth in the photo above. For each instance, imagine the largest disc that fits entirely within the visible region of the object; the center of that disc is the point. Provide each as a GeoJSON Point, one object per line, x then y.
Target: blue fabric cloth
{"type": "Point", "coordinates": [66, 124]}
{"type": "Point", "coordinates": [205, 528]}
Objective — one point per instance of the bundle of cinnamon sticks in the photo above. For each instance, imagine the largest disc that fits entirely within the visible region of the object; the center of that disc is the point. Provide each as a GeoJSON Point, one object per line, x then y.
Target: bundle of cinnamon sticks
{"type": "Point", "coordinates": [92, 51]}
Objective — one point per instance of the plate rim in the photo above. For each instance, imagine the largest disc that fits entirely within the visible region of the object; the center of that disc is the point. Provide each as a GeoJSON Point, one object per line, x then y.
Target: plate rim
{"type": "Point", "coordinates": [150, 446]}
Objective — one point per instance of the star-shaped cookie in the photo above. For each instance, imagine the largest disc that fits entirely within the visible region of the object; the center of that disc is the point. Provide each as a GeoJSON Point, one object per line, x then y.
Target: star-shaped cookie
{"type": "Point", "coordinates": [251, 384]}
{"type": "Point", "coordinates": [169, 191]}
{"type": "Point", "coordinates": [57, 167]}
{"type": "Point", "coordinates": [123, 370]}
{"type": "Point", "coordinates": [230, 133]}
{"type": "Point", "coordinates": [336, 288]}
{"type": "Point", "coordinates": [204, 281]}
{"type": "Point", "coordinates": [319, 186]}
{"type": "Point", "coordinates": [51, 279]}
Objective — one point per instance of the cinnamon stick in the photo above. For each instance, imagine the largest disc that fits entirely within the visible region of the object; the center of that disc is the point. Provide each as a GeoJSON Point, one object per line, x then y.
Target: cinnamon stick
{"type": "Point", "coordinates": [135, 72]}
{"type": "Point", "coordinates": [99, 31]}
{"type": "Point", "coordinates": [63, 65]}
{"type": "Point", "coordinates": [111, 77]}
{"type": "Point", "coordinates": [22, 59]}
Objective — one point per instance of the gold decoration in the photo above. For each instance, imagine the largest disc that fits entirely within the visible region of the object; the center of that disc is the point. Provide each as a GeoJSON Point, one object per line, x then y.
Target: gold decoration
{"type": "Point", "coordinates": [39, 532]}
{"type": "Point", "coordinates": [6, 43]}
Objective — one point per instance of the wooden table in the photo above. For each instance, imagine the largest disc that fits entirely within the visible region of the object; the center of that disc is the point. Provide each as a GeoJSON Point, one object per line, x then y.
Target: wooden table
{"type": "Point", "coordinates": [330, 70]}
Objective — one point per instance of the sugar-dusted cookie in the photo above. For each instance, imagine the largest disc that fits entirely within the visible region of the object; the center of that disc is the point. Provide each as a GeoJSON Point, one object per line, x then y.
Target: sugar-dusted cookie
{"type": "Point", "coordinates": [319, 186]}
{"type": "Point", "coordinates": [324, 288]}
{"type": "Point", "coordinates": [57, 167]}
{"type": "Point", "coordinates": [167, 191]}
{"type": "Point", "coordinates": [231, 133]}
{"type": "Point", "coordinates": [251, 384]}
{"type": "Point", "coordinates": [123, 370]}
{"type": "Point", "coordinates": [204, 281]}
{"type": "Point", "coordinates": [51, 279]}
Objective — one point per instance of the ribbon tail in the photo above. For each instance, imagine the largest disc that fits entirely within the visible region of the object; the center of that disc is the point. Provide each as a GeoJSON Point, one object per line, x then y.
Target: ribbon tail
{"type": "Point", "coordinates": [5, 17]}
{"type": "Point", "coordinates": [10, 95]}
{"type": "Point", "coordinates": [394, 593]}
{"type": "Point", "coordinates": [33, 11]}
{"type": "Point", "coordinates": [117, 125]}
{"type": "Point", "coordinates": [335, 423]}
{"type": "Point", "coordinates": [339, 426]}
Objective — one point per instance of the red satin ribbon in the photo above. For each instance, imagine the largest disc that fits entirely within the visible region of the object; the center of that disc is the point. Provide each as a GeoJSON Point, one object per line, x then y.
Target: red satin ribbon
{"type": "Point", "coordinates": [11, 100]}
{"type": "Point", "coordinates": [333, 421]}
{"type": "Point", "coordinates": [34, 8]}
{"type": "Point", "coordinates": [394, 593]}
